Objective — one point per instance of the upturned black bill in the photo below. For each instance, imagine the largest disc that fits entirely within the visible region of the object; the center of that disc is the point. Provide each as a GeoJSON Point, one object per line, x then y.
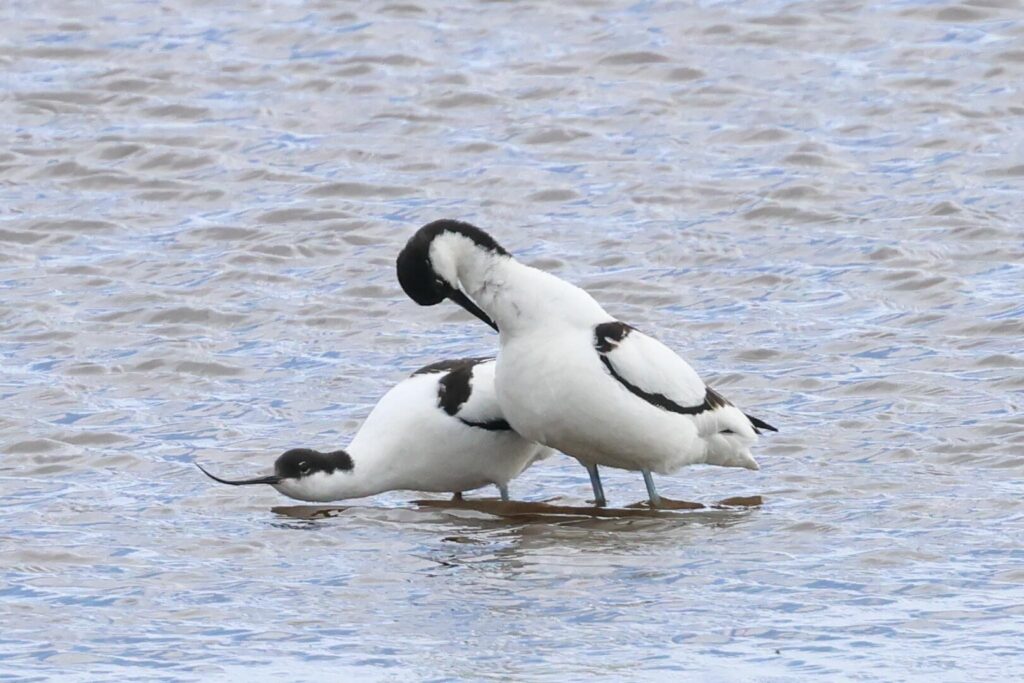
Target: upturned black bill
{"type": "Point", "coordinates": [272, 479]}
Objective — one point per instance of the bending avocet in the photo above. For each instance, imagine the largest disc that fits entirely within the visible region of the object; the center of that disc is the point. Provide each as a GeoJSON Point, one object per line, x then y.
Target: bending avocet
{"type": "Point", "coordinates": [439, 430]}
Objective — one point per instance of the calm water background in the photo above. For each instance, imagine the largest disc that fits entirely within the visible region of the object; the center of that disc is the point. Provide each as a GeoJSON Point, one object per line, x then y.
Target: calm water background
{"type": "Point", "coordinates": [819, 203]}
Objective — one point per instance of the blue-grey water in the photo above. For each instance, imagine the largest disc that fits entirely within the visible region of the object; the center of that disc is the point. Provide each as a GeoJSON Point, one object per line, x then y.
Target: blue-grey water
{"type": "Point", "coordinates": [820, 204]}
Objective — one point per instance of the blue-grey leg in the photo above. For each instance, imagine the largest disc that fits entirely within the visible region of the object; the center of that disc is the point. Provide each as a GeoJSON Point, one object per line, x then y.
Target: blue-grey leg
{"type": "Point", "coordinates": [595, 483]}
{"type": "Point", "coordinates": [503, 490]}
{"type": "Point", "coordinates": [651, 493]}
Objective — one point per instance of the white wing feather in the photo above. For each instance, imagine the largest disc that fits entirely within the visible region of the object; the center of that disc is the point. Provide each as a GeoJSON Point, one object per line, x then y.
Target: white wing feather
{"type": "Point", "coordinates": [482, 404]}
{"type": "Point", "coordinates": [654, 368]}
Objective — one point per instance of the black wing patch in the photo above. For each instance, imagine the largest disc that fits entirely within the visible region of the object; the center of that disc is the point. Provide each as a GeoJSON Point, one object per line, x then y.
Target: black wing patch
{"type": "Point", "coordinates": [455, 388]}
{"type": "Point", "coordinates": [607, 336]}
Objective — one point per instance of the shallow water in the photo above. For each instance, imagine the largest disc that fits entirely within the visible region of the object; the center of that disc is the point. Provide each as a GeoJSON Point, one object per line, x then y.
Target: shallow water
{"type": "Point", "coordinates": [819, 204]}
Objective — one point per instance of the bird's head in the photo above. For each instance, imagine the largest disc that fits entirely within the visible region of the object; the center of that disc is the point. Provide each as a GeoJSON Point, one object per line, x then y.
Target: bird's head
{"type": "Point", "coordinates": [428, 264]}
{"type": "Point", "coordinates": [300, 473]}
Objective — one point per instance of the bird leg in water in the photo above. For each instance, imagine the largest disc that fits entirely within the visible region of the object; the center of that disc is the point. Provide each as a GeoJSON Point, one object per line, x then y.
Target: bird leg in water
{"type": "Point", "coordinates": [457, 496]}
{"type": "Point", "coordinates": [595, 483]}
{"type": "Point", "coordinates": [503, 490]}
{"type": "Point", "coordinates": [651, 493]}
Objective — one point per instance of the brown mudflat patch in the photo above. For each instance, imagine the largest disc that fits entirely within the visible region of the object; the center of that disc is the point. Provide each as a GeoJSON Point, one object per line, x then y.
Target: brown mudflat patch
{"type": "Point", "coordinates": [308, 511]}
{"type": "Point", "coordinates": [520, 509]}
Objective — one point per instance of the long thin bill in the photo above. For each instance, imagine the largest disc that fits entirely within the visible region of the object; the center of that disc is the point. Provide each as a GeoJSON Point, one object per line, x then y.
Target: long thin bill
{"type": "Point", "coordinates": [272, 479]}
{"type": "Point", "coordinates": [461, 299]}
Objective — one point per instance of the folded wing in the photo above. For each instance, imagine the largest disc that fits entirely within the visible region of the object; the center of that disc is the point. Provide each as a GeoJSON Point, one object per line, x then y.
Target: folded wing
{"type": "Point", "coordinates": [653, 372]}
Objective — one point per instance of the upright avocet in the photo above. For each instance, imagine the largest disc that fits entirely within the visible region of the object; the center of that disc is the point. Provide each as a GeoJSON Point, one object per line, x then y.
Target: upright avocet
{"type": "Point", "coordinates": [571, 376]}
{"type": "Point", "coordinates": [439, 430]}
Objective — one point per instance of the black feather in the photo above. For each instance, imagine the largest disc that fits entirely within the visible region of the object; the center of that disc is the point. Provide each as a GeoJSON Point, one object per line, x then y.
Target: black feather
{"type": "Point", "coordinates": [760, 424]}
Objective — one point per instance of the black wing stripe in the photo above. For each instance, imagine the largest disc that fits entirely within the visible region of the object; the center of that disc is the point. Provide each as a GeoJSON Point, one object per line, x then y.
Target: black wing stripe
{"type": "Point", "coordinates": [711, 397]}
{"type": "Point", "coordinates": [490, 425]}
{"type": "Point", "coordinates": [607, 336]}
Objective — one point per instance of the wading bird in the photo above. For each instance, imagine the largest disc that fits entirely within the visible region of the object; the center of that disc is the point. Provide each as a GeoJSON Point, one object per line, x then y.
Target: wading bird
{"type": "Point", "coordinates": [439, 430]}
{"type": "Point", "coordinates": [571, 376]}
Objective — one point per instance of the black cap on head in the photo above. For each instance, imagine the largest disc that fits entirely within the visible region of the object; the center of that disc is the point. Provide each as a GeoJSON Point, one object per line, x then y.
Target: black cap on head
{"type": "Point", "coordinates": [416, 273]}
{"type": "Point", "coordinates": [303, 462]}
{"type": "Point", "coordinates": [294, 464]}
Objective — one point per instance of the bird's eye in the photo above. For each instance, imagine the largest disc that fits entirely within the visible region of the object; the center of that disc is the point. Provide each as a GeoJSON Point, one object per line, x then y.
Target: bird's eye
{"type": "Point", "coordinates": [304, 467]}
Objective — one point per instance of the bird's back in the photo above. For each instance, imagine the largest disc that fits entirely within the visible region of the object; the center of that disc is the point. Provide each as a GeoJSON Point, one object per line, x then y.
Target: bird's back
{"type": "Point", "coordinates": [442, 430]}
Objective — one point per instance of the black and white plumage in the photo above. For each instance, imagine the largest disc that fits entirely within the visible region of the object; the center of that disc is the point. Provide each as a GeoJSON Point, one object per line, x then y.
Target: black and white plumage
{"type": "Point", "coordinates": [569, 375]}
{"type": "Point", "coordinates": [439, 430]}
{"type": "Point", "coordinates": [627, 363]}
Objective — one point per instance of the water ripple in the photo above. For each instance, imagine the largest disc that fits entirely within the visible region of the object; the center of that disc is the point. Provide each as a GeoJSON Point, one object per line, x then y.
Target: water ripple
{"type": "Point", "coordinates": [818, 204]}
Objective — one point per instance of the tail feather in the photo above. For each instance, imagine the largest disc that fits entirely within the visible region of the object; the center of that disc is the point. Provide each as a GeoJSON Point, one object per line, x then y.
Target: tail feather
{"type": "Point", "coordinates": [760, 424]}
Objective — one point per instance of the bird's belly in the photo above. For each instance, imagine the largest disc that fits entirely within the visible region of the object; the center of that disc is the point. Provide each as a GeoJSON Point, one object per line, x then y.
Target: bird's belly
{"type": "Point", "coordinates": [468, 458]}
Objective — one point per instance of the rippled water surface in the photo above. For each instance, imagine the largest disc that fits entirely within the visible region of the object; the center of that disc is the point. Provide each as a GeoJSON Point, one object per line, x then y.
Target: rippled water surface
{"type": "Point", "coordinates": [818, 203]}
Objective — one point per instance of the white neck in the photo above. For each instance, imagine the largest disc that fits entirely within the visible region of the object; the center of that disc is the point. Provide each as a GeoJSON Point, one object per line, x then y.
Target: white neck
{"type": "Point", "coordinates": [515, 295]}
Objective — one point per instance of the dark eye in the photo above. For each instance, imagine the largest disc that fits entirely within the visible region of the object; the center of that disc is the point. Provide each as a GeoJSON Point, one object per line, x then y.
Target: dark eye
{"type": "Point", "coordinates": [304, 467]}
